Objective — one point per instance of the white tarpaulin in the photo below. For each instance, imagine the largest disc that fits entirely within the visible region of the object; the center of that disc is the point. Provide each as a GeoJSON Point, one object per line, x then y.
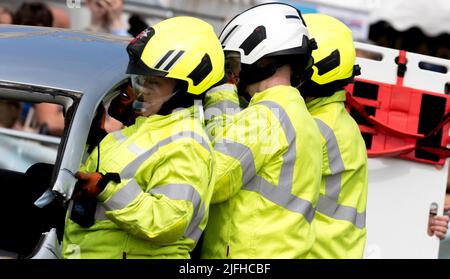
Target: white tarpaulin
{"type": "Point", "coordinates": [401, 192]}
{"type": "Point", "coordinates": [432, 17]}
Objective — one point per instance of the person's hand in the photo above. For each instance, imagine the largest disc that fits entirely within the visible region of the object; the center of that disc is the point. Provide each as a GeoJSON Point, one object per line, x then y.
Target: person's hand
{"type": "Point", "coordinates": [106, 15]}
{"type": "Point", "coordinates": [87, 185]}
{"type": "Point", "coordinates": [114, 9]}
{"type": "Point", "coordinates": [438, 225]}
{"type": "Point", "coordinates": [98, 15]}
{"type": "Point", "coordinates": [97, 7]}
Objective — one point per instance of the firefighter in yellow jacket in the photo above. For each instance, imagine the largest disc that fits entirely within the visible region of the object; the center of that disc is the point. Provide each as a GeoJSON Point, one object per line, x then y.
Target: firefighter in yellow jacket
{"type": "Point", "coordinates": [268, 155]}
{"type": "Point", "coordinates": [341, 210]}
{"type": "Point", "coordinates": [154, 179]}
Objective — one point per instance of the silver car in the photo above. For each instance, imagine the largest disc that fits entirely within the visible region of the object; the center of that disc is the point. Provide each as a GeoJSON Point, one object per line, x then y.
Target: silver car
{"type": "Point", "coordinates": [76, 70]}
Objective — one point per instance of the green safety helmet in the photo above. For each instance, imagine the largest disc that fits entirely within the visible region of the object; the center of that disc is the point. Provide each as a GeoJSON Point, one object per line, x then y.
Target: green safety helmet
{"type": "Point", "coordinates": [334, 60]}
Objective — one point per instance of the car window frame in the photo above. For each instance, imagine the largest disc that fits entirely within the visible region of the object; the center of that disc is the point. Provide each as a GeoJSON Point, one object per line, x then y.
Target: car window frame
{"type": "Point", "coordinates": [69, 99]}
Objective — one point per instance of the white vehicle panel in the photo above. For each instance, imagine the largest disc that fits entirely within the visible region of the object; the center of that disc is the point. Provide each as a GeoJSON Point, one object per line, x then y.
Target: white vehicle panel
{"type": "Point", "coordinates": [401, 191]}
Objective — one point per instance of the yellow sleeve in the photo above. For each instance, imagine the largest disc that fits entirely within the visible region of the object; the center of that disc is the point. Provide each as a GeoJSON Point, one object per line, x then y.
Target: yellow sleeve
{"type": "Point", "coordinates": [241, 148]}
{"type": "Point", "coordinates": [221, 103]}
{"type": "Point", "coordinates": [174, 190]}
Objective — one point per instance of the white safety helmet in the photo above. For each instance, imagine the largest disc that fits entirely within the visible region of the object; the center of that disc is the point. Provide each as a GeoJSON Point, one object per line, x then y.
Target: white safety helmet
{"type": "Point", "coordinates": [269, 29]}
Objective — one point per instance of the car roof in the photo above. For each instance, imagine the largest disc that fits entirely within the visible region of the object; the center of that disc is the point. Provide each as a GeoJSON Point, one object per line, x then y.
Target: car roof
{"type": "Point", "coordinates": [62, 58]}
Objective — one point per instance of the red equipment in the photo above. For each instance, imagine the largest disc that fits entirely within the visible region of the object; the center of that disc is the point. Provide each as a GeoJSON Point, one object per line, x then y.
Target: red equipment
{"type": "Point", "coordinates": [399, 121]}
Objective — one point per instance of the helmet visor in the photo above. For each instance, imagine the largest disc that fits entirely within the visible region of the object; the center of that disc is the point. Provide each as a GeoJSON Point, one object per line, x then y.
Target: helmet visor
{"type": "Point", "coordinates": [151, 93]}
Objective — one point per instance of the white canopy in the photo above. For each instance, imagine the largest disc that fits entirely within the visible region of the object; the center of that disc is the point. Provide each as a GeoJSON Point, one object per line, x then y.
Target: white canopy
{"type": "Point", "coordinates": [432, 17]}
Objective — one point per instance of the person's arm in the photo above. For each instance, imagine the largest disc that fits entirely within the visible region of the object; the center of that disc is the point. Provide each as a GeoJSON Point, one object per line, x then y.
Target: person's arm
{"type": "Point", "coordinates": [221, 103]}
{"type": "Point", "coordinates": [234, 139]}
{"type": "Point", "coordinates": [242, 146]}
{"type": "Point", "coordinates": [162, 200]}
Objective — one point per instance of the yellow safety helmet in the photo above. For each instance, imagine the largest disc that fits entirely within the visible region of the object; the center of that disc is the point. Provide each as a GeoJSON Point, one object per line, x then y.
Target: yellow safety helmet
{"type": "Point", "coordinates": [335, 57]}
{"type": "Point", "coordinates": [182, 48]}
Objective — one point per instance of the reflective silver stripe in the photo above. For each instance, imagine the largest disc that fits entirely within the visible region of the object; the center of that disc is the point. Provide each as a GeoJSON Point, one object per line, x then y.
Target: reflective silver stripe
{"type": "Point", "coordinates": [100, 212]}
{"type": "Point", "coordinates": [328, 204]}
{"type": "Point", "coordinates": [188, 193]}
{"type": "Point", "coordinates": [69, 207]}
{"type": "Point", "coordinates": [119, 136]}
{"type": "Point", "coordinates": [287, 169]}
{"type": "Point", "coordinates": [333, 182]}
{"type": "Point", "coordinates": [135, 149]}
{"type": "Point", "coordinates": [222, 107]}
{"type": "Point", "coordinates": [163, 63]}
{"type": "Point", "coordinates": [253, 182]}
{"type": "Point", "coordinates": [124, 196]}
{"type": "Point", "coordinates": [241, 153]}
{"type": "Point", "coordinates": [131, 168]}
{"type": "Point", "coordinates": [193, 231]}
{"type": "Point", "coordinates": [281, 198]}
{"type": "Point", "coordinates": [179, 192]}
{"type": "Point", "coordinates": [223, 87]}
{"type": "Point", "coordinates": [330, 208]}
{"type": "Point", "coordinates": [281, 194]}
{"type": "Point", "coordinates": [333, 185]}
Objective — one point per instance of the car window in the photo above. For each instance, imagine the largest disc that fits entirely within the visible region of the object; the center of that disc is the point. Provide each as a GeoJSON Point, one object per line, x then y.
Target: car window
{"type": "Point", "coordinates": [29, 155]}
{"type": "Point", "coordinates": [33, 124]}
{"type": "Point", "coordinates": [23, 142]}
{"type": "Point", "coordinates": [19, 153]}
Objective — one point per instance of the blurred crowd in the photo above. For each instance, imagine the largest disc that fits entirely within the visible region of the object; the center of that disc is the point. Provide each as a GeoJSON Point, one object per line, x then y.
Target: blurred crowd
{"type": "Point", "coordinates": [106, 17]}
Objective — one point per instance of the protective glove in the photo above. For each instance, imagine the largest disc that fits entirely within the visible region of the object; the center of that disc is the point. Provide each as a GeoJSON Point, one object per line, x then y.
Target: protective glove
{"type": "Point", "coordinates": [87, 185]}
{"type": "Point", "coordinates": [121, 107]}
{"type": "Point", "coordinates": [91, 184]}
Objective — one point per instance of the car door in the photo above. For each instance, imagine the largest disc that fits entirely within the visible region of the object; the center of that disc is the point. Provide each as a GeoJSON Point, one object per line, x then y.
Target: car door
{"type": "Point", "coordinates": [28, 162]}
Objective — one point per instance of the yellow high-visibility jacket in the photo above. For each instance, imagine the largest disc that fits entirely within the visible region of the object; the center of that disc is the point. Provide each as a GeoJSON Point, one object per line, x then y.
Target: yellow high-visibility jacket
{"type": "Point", "coordinates": [341, 210]}
{"type": "Point", "coordinates": [268, 167]}
{"type": "Point", "coordinates": [160, 208]}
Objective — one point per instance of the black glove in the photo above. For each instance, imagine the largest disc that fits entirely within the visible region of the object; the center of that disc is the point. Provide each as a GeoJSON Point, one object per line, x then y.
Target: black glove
{"type": "Point", "coordinates": [89, 185]}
